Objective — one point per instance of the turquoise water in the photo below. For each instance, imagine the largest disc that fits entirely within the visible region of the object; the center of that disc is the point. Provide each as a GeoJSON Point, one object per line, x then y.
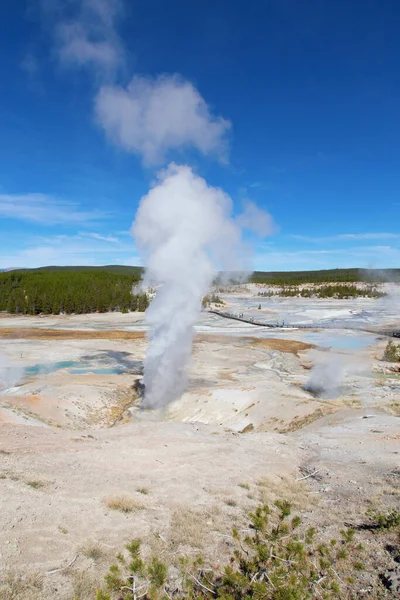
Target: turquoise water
{"type": "Point", "coordinates": [110, 371]}
{"type": "Point", "coordinates": [50, 367]}
{"type": "Point", "coordinates": [75, 367]}
{"type": "Point", "coordinates": [338, 339]}
{"type": "Point", "coordinates": [348, 341]}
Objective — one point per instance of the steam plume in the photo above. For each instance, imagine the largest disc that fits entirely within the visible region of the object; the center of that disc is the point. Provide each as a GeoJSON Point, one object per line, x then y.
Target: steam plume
{"type": "Point", "coordinates": [9, 374]}
{"type": "Point", "coordinates": [185, 233]}
{"type": "Point", "coordinates": [327, 375]}
{"type": "Point", "coordinates": [332, 371]}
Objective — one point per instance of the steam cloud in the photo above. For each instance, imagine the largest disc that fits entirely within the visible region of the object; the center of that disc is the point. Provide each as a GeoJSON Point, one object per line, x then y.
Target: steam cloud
{"type": "Point", "coordinates": [184, 228]}
{"type": "Point", "coordinates": [331, 372]}
{"type": "Point", "coordinates": [327, 375]}
{"type": "Point", "coordinates": [185, 232]}
{"type": "Point", "coordinates": [9, 374]}
{"type": "Point", "coordinates": [153, 116]}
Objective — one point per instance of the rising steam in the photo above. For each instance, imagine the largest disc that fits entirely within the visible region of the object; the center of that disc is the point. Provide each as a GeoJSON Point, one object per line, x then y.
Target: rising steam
{"type": "Point", "coordinates": [10, 373]}
{"type": "Point", "coordinates": [328, 374]}
{"type": "Point", "coordinates": [184, 228]}
{"type": "Point", "coordinates": [332, 373]}
{"type": "Point", "coordinates": [185, 233]}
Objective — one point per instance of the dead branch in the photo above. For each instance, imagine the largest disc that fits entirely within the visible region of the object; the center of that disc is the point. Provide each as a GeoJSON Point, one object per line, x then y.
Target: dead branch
{"type": "Point", "coordinates": [62, 568]}
{"type": "Point", "coordinates": [309, 475]}
{"type": "Point", "coordinates": [200, 584]}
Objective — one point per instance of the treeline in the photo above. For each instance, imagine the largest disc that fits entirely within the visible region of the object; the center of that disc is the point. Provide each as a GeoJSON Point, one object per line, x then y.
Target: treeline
{"type": "Point", "coordinates": [268, 277]}
{"type": "Point", "coordinates": [326, 276]}
{"type": "Point", "coordinates": [55, 292]}
{"type": "Point", "coordinates": [137, 272]}
{"type": "Point", "coordinates": [340, 291]}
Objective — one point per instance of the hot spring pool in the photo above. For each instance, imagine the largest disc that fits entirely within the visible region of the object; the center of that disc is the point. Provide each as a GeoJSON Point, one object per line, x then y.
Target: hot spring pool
{"type": "Point", "coordinates": [75, 367]}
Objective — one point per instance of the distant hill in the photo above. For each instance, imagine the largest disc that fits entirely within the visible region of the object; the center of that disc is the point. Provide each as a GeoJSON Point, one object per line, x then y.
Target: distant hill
{"type": "Point", "coordinates": [120, 269]}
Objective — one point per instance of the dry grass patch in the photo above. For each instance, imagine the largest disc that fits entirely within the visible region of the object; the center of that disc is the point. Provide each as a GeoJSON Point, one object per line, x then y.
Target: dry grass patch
{"type": "Point", "coordinates": [295, 492]}
{"type": "Point", "coordinates": [244, 485]}
{"type": "Point", "coordinates": [20, 586]}
{"type": "Point", "coordinates": [62, 530]}
{"type": "Point", "coordinates": [394, 408]}
{"type": "Point", "coordinates": [207, 530]}
{"type": "Point", "coordinates": [143, 490]}
{"type": "Point", "coordinates": [300, 422]}
{"type": "Point", "coordinates": [93, 551]}
{"type": "Point", "coordinates": [188, 527]}
{"type": "Point", "coordinates": [36, 484]}
{"type": "Point", "coordinates": [84, 584]}
{"type": "Point", "coordinates": [124, 504]}
{"type": "Point", "coordinates": [230, 502]}
{"type": "Point", "coordinates": [352, 402]}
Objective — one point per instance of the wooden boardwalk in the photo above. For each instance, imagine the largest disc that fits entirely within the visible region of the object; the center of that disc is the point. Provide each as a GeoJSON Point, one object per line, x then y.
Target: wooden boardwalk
{"type": "Point", "coordinates": [384, 332]}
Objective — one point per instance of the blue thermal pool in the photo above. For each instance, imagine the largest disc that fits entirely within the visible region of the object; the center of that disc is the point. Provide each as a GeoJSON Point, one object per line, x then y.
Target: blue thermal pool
{"type": "Point", "coordinates": [74, 367]}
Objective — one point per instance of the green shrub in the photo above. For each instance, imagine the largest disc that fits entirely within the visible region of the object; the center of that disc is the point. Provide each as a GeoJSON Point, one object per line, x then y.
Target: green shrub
{"type": "Point", "coordinates": [392, 352]}
{"type": "Point", "coordinates": [389, 520]}
{"type": "Point", "coordinates": [272, 561]}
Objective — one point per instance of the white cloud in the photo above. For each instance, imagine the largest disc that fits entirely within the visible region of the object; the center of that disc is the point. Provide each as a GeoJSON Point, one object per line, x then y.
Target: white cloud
{"type": "Point", "coordinates": [89, 38]}
{"type": "Point", "coordinates": [39, 208]}
{"type": "Point", "coordinates": [379, 257]}
{"type": "Point", "coordinates": [152, 116]}
{"type": "Point", "coordinates": [149, 116]}
{"type": "Point", "coordinates": [68, 250]}
{"type": "Point", "coordinates": [104, 238]}
{"type": "Point", "coordinates": [256, 220]}
{"type": "Point", "coordinates": [348, 237]}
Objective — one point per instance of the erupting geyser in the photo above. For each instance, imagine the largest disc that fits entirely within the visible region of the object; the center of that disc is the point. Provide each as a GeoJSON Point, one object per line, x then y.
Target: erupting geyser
{"type": "Point", "coordinates": [185, 233]}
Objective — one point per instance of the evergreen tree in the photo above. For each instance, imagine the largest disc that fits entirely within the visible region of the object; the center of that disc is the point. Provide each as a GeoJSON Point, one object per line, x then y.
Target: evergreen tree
{"type": "Point", "coordinates": [69, 291]}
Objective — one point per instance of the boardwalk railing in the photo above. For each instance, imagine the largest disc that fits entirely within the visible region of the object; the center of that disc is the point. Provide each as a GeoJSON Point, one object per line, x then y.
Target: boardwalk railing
{"type": "Point", "coordinates": [226, 315]}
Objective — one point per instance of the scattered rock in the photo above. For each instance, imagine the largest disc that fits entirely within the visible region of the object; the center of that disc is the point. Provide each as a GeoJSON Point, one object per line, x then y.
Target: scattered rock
{"type": "Point", "coordinates": [391, 579]}
{"type": "Point", "coordinates": [248, 428]}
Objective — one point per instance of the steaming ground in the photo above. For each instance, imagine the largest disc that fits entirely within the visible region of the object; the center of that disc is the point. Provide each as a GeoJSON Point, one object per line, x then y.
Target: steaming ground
{"type": "Point", "coordinates": [71, 437]}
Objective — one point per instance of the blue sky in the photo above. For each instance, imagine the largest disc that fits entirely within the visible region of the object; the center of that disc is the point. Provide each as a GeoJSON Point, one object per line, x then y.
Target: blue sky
{"type": "Point", "coordinates": [293, 105]}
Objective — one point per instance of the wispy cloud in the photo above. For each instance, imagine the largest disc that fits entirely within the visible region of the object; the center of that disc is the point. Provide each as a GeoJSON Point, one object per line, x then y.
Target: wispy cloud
{"type": "Point", "coordinates": [153, 116]}
{"type": "Point", "coordinates": [256, 220]}
{"type": "Point", "coordinates": [81, 249]}
{"type": "Point", "coordinates": [347, 237]}
{"type": "Point", "coordinates": [148, 117]}
{"type": "Point", "coordinates": [85, 34]}
{"type": "Point", "coordinates": [30, 65]}
{"type": "Point", "coordinates": [104, 238]}
{"type": "Point", "coordinates": [39, 208]}
{"type": "Point", "coordinates": [360, 256]}
{"type": "Point", "coordinates": [261, 185]}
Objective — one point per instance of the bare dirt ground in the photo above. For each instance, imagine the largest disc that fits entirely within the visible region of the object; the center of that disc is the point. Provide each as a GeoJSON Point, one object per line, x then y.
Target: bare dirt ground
{"type": "Point", "coordinates": [83, 470]}
{"type": "Point", "coordinates": [56, 485]}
